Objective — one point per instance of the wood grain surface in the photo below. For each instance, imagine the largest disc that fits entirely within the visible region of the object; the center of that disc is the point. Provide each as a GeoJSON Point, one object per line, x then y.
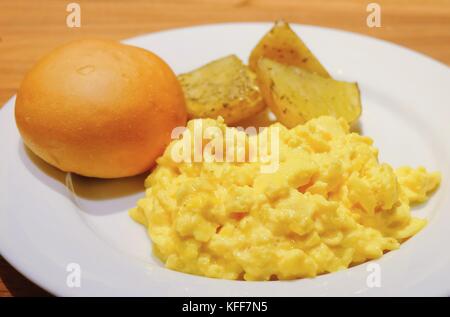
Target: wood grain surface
{"type": "Point", "coordinates": [29, 29]}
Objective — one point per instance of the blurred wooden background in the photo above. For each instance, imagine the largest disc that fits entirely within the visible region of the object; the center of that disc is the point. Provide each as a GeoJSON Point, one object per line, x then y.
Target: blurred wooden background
{"type": "Point", "coordinates": [28, 29]}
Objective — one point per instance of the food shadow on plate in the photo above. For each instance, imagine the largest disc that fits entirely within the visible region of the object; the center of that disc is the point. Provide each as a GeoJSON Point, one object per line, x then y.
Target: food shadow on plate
{"type": "Point", "coordinates": [94, 196]}
{"type": "Point", "coordinates": [357, 127]}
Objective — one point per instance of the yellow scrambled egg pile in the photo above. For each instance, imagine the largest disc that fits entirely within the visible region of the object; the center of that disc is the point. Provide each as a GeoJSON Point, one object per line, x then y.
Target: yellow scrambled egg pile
{"type": "Point", "coordinates": [330, 205]}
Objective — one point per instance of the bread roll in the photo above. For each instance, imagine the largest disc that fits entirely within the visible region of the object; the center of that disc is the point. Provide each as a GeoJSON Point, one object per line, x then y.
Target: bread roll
{"type": "Point", "coordinates": [99, 108]}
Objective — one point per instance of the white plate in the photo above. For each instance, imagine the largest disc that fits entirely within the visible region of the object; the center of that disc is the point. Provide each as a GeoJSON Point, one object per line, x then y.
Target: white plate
{"type": "Point", "coordinates": [406, 109]}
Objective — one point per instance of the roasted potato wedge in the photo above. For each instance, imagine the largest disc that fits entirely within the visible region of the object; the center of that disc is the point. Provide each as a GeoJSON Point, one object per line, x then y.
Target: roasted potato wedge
{"type": "Point", "coordinates": [282, 44]}
{"type": "Point", "coordinates": [295, 95]}
{"type": "Point", "coordinates": [225, 87]}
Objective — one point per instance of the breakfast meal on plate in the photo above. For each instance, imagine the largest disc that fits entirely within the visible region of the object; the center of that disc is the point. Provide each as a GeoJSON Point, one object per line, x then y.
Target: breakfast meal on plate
{"type": "Point", "coordinates": [99, 108]}
{"type": "Point", "coordinates": [108, 110]}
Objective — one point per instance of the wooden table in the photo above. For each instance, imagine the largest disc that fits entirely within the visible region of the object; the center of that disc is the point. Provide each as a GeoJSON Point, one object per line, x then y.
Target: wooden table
{"type": "Point", "coordinates": [28, 29]}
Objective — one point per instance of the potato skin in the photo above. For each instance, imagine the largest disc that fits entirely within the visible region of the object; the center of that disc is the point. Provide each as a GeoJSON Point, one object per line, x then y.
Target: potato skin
{"type": "Point", "coordinates": [224, 87]}
{"type": "Point", "coordinates": [296, 96]}
{"type": "Point", "coordinates": [283, 45]}
{"type": "Point", "coordinates": [99, 108]}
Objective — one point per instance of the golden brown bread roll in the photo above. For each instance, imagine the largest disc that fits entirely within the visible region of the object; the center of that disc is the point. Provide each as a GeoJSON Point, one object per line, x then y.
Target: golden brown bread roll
{"type": "Point", "coordinates": [99, 108]}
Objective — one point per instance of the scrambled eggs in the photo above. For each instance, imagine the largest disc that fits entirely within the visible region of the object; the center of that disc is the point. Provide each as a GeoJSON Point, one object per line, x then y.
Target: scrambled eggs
{"type": "Point", "coordinates": [329, 205]}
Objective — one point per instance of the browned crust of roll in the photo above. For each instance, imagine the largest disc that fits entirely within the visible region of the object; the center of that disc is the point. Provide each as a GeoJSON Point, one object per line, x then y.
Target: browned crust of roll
{"type": "Point", "coordinates": [99, 108]}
